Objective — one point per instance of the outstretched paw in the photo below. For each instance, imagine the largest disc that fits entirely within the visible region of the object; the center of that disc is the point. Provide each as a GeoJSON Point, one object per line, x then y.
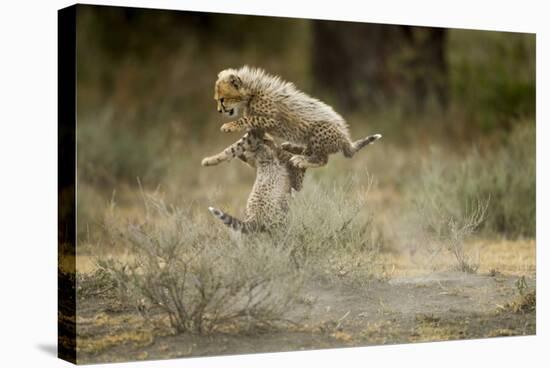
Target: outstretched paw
{"type": "Point", "coordinates": [299, 161]}
{"type": "Point", "coordinates": [209, 161]}
{"type": "Point", "coordinates": [230, 127]}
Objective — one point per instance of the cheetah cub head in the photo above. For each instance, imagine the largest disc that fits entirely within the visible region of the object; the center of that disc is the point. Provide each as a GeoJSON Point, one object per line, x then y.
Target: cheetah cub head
{"type": "Point", "coordinates": [229, 93]}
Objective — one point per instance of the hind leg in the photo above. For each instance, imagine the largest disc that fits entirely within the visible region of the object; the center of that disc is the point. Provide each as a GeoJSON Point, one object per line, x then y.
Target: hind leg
{"type": "Point", "coordinates": [292, 148]}
{"type": "Point", "coordinates": [350, 148]}
{"type": "Point", "coordinates": [324, 141]}
{"type": "Point", "coordinates": [309, 161]}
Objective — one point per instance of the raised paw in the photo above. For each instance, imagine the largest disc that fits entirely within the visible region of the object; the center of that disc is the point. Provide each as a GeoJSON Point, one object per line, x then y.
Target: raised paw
{"type": "Point", "coordinates": [299, 161]}
{"type": "Point", "coordinates": [209, 161]}
{"type": "Point", "coordinates": [230, 127]}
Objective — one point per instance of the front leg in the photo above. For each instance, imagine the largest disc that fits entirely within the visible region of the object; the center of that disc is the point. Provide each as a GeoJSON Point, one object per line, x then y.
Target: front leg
{"type": "Point", "coordinates": [235, 150]}
{"type": "Point", "coordinates": [216, 159]}
{"type": "Point", "coordinates": [249, 123]}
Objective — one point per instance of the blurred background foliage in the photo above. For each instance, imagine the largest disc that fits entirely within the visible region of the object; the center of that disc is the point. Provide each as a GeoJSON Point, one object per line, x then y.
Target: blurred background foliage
{"type": "Point", "coordinates": [146, 109]}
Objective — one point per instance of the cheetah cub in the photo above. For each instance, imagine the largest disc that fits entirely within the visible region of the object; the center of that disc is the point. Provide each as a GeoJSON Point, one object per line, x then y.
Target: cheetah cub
{"type": "Point", "coordinates": [268, 203]}
{"type": "Point", "coordinates": [267, 103]}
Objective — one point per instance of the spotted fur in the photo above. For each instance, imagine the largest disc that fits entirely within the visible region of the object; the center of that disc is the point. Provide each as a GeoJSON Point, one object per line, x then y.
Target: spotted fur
{"type": "Point", "coordinates": [265, 102]}
{"type": "Point", "coordinates": [276, 178]}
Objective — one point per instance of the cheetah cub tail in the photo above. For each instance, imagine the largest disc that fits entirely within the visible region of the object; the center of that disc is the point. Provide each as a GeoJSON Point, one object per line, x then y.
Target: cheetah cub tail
{"type": "Point", "coordinates": [229, 221]}
{"type": "Point", "coordinates": [360, 143]}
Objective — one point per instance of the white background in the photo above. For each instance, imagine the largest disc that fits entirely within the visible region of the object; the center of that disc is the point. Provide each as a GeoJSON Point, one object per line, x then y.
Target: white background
{"type": "Point", "coordinates": [28, 180]}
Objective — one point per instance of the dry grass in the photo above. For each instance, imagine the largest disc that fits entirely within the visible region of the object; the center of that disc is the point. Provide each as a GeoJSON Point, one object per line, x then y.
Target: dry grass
{"type": "Point", "coordinates": [123, 329]}
{"type": "Point", "coordinates": [432, 329]}
{"type": "Point", "coordinates": [510, 257]}
{"type": "Point", "coordinates": [526, 303]}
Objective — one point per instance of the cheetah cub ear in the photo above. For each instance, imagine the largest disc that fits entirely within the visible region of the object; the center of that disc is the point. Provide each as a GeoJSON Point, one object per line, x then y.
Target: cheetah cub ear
{"type": "Point", "coordinates": [235, 81]}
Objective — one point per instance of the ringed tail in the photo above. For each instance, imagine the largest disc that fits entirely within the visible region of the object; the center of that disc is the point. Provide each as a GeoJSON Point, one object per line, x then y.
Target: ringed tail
{"type": "Point", "coordinates": [230, 221]}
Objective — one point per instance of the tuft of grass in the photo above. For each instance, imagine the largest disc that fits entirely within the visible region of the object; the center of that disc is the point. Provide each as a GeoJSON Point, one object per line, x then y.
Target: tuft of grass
{"type": "Point", "coordinates": [526, 303]}
{"type": "Point", "coordinates": [526, 300]}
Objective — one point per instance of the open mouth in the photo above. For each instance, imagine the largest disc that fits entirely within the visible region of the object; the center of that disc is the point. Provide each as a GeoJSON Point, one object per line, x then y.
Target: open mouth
{"type": "Point", "coordinates": [225, 110]}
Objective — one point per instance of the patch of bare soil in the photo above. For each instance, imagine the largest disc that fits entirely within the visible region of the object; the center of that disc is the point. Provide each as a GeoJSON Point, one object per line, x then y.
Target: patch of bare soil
{"type": "Point", "coordinates": [440, 306]}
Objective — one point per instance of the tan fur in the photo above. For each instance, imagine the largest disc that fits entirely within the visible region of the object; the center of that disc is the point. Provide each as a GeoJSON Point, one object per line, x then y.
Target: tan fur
{"type": "Point", "coordinates": [267, 204]}
{"type": "Point", "coordinates": [266, 103]}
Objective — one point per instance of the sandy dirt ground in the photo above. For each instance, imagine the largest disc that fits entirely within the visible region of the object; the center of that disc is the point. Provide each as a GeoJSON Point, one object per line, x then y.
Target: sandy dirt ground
{"type": "Point", "coordinates": [404, 308]}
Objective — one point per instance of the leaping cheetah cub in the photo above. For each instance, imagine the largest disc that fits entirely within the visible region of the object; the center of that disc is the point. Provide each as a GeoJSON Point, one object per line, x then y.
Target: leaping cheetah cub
{"type": "Point", "coordinates": [267, 103]}
{"type": "Point", "coordinates": [268, 203]}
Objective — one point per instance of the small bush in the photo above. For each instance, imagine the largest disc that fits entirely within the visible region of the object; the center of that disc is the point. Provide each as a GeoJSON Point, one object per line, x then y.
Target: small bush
{"type": "Point", "coordinates": [200, 278]}
{"type": "Point", "coordinates": [447, 218]}
{"type": "Point", "coordinates": [451, 229]}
